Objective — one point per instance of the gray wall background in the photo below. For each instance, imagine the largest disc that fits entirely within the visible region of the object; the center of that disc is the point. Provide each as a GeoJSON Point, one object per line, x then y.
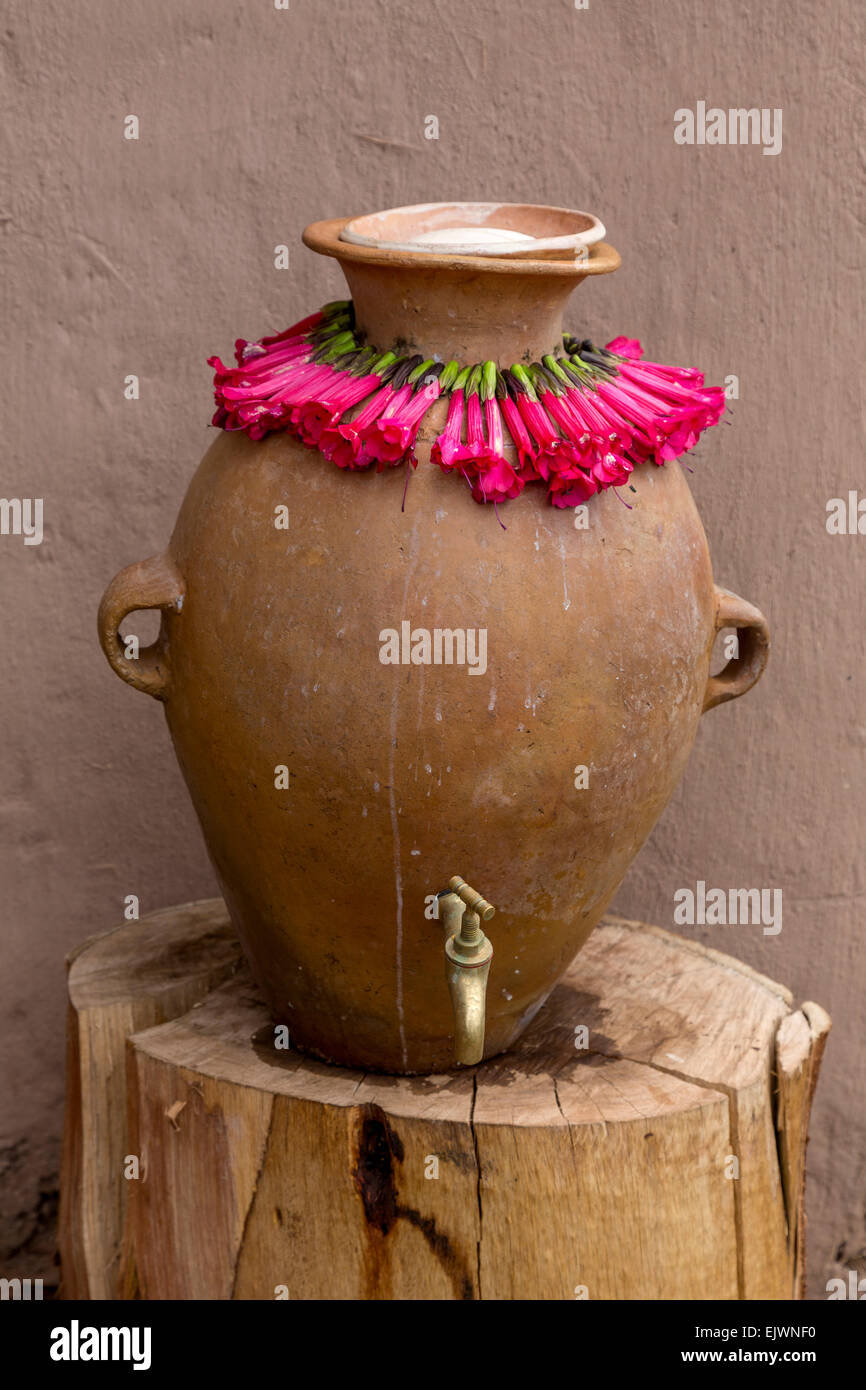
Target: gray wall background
{"type": "Point", "coordinates": [145, 256]}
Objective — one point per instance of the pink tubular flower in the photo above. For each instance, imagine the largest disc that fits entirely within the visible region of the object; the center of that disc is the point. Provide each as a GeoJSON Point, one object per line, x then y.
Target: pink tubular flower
{"type": "Point", "coordinates": [688, 423]}
{"type": "Point", "coordinates": [354, 430]}
{"type": "Point", "coordinates": [590, 439]}
{"type": "Point", "coordinates": [641, 447]}
{"type": "Point", "coordinates": [346, 388]}
{"type": "Point", "coordinates": [254, 359]}
{"type": "Point", "coordinates": [481, 458]}
{"type": "Point", "coordinates": [237, 394]}
{"type": "Point", "coordinates": [564, 461]}
{"type": "Point", "coordinates": [496, 480]}
{"type": "Point", "coordinates": [522, 442]}
{"type": "Point", "coordinates": [561, 410]}
{"type": "Point", "coordinates": [650, 417]}
{"type": "Point", "coordinates": [571, 488]}
{"type": "Point", "coordinates": [473, 449]}
{"type": "Point", "coordinates": [258, 420]}
{"type": "Point", "coordinates": [595, 446]}
{"type": "Point", "coordinates": [677, 427]}
{"type": "Point", "coordinates": [383, 439]}
{"type": "Point", "coordinates": [289, 385]}
{"type": "Point", "coordinates": [538, 423]}
{"type": "Point", "coordinates": [447, 445]}
{"type": "Point", "coordinates": [391, 437]}
{"type": "Point", "coordinates": [627, 353]}
{"type": "Point", "coordinates": [611, 436]}
{"type": "Point", "coordinates": [339, 312]}
{"type": "Point", "coordinates": [652, 372]}
{"type": "Point", "coordinates": [276, 374]}
{"type": "Point", "coordinates": [382, 436]}
{"type": "Point", "coordinates": [611, 470]}
{"type": "Point", "coordinates": [343, 453]}
{"type": "Point", "coordinates": [625, 347]}
{"type": "Point", "coordinates": [246, 351]}
{"type": "Point", "coordinates": [629, 408]}
{"type": "Point", "coordinates": [399, 433]}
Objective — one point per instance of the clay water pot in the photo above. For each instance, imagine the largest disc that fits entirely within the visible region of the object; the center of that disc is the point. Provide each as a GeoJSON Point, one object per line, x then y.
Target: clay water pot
{"type": "Point", "coordinates": [598, 647]}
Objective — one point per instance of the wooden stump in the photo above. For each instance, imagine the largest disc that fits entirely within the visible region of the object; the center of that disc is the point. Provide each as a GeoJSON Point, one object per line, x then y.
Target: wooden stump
{"type": "Point", "coordinates": [120, 983]}
{"type": "Point", "coordinates": [666, 1159]}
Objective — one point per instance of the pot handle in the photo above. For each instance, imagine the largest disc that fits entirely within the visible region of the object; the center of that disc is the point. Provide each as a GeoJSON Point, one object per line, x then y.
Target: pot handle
{"type": "Point", "coordinates": [153, 583]}
{"type": "Point", "coordinates": [744, 670]}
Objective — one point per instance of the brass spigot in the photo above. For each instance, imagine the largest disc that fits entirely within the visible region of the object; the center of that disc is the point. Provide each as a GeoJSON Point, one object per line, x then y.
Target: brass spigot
{"type": "Point", "coordinates": [468, 953]}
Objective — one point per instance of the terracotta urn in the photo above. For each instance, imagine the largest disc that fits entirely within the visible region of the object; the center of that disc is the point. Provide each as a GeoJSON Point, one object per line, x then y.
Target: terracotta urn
{"type": "Point", "coordinates": [341, 782]}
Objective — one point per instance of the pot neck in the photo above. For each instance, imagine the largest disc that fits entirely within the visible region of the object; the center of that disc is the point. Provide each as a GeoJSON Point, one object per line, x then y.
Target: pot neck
{"type": "Point", "coordinates": [470, 308]}
{"type": "Point", "coordinates": [470, 316]}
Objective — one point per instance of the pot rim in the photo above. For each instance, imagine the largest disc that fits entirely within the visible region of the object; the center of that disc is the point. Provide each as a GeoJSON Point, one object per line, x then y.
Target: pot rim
{"type": "Point", "coordinates": [324, 238]}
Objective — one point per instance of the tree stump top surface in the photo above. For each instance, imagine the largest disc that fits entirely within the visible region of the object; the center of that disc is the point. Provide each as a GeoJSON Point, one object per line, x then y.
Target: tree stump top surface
{"type": "Point", "coordinates": [667, 1019]}
{"type": "Point", "coordinates": [151, 957]}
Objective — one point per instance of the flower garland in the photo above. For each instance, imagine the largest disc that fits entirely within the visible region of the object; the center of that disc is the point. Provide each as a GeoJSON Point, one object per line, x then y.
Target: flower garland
{"type": "Point", "coordinates": [580, 422]}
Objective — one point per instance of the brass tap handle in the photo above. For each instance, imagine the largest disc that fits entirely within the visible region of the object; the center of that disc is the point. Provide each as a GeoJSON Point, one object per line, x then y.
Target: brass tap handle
{"type": "Point", "coordinates": [473, 900]}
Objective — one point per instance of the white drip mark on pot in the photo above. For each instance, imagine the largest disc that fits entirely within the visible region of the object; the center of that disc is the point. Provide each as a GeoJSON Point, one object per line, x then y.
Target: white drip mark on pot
{"type": "Point", "coordinates": [566, 601]}
{"type": "Point", "coordinates": [492, 702]}
{"type": "Point", "coordinates": [395, 826]}
{"type": "Point", "coordinates": [420, 696]}
{"type": "Point", "coordinates": [398, 876]}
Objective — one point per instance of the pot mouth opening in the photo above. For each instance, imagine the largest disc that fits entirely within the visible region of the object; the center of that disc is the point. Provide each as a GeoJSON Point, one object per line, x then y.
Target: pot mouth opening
{"type": "Point", "coordinates": [502, 230]}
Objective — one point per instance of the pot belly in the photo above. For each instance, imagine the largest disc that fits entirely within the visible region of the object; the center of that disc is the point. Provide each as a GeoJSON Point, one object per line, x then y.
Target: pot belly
{"type": "Point", "coordinates": [403, 772]}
